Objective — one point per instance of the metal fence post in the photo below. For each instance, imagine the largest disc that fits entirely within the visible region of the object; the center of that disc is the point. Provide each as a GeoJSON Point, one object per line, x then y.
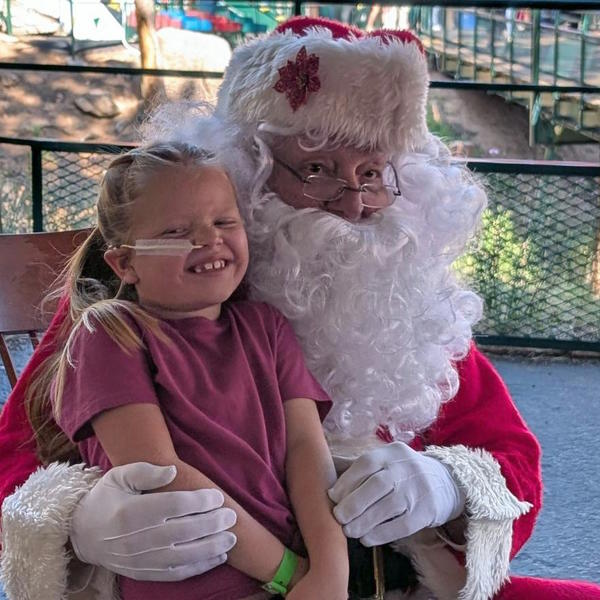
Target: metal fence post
{"type": "Point", "coordinates": [510, 26]}
{"type": "Point", "coordinates": [8, 18]}
{"type": "Point", "coordinates": [297, 7]}
{"type": "Point", "coordinates": [36, 188]}
{"type": "Point", "coordinates": [492, 18]}
{"type": "Point", "coordinates": [72, 12]}
{"type": "Point", "coordinates": [584, 25]}
{"type": "Point", "coordinates": [444, 38]}
{"type": "Point", "coordinates": [475, 41]}
{"type": "Point", "coordinates": [534, 74]}
{"type": "Point", "coordinates": [457, 73]}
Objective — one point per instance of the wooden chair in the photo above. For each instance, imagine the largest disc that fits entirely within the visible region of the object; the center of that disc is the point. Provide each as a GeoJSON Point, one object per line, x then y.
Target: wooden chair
{"type": "Point", "coordinates": [29, 264]}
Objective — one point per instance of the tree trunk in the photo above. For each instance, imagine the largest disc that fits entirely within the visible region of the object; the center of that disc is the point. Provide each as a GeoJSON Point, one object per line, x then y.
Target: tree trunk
{"type": "Point", "coordinates": [152, 87]}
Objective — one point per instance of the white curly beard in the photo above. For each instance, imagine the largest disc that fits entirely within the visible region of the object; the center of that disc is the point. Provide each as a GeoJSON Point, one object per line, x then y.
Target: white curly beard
{"type": "Point", "coordinates": [375, 305]}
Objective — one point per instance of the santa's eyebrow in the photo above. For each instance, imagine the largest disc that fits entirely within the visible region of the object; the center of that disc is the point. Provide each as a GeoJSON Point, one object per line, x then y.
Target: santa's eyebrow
{"type": "Point", "coordinates": [326, 160]}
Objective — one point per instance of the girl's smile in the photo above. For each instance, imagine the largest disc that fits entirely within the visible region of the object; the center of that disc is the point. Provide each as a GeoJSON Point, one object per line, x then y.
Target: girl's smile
{"type": "Point", "coordinates": [195, 204]}
{"type": "Point", "coordinates": [213, 267]}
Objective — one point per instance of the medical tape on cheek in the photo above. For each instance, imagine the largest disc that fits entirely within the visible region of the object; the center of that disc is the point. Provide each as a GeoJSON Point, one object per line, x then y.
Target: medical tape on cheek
{"type": "Point", "coordinates": [163, 247]}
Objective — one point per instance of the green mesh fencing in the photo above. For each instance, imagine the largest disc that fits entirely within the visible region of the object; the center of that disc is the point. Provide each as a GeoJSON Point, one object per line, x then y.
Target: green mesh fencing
{"type": "Point", "coordinates": [15, 189]}
{"type": "Point", "coordinates": [536, 262]}
{"type": "Point", "coordinates": [70, 188]}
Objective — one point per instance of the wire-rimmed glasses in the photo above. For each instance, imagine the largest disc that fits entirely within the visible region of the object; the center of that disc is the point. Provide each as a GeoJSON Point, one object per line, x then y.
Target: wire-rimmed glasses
{"type": "Point", "coordinates": [328, 189]}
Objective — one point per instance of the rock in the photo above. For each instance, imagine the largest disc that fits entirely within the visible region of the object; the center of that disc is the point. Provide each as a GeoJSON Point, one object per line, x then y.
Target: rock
{"type": "Point", "coordinates": [54, 131]}
{"type": "Point", "coordinates": [9, 79]}
{"type": "Point", "coordinates": [192, 51]}
{"type": "Point", "coordinates": [126, 128]}
{"type": "Point", "coordinates": [131, 115]}
{"type": "Point", "coordinates": [98, 104]}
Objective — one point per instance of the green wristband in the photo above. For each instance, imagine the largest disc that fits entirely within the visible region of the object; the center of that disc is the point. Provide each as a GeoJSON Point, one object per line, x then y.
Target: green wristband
{"type": "Point", "coordinates": [284, 574]}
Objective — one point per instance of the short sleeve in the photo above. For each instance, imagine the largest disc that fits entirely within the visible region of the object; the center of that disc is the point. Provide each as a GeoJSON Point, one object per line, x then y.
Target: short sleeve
{"type": "Point", "coordinates": [294, 378]}
{"type": "Point", "coordinates": [102, 376]}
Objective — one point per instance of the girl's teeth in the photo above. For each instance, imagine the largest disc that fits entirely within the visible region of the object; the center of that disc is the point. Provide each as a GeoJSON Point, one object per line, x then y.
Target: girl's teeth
{"type": "Point", "coordinates": [217, 264]}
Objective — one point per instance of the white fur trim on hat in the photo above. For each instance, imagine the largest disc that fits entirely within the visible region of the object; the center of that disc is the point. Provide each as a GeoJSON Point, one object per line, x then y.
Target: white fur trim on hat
{"type": "Point", "coordinates": [372, 89]}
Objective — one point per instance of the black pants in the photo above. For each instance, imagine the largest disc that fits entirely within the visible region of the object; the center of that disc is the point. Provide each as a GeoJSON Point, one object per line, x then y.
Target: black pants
{"type": "Point", "coordinates": [399, 572]}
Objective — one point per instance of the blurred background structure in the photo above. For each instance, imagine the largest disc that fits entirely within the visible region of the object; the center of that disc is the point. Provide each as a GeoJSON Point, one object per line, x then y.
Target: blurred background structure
{"type": "Point", "coordinates": [537, 264]}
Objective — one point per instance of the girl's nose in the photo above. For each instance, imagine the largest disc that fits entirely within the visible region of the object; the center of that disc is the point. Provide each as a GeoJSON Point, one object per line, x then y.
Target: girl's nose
{"type": "Point", "coordinates": [209, 236]}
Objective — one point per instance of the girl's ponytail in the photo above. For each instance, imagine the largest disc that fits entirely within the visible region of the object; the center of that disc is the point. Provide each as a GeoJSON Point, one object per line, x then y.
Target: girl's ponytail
{"type": "Point", "coordinates": [52, 443]}
{"type": "Point", "coordinates": [86, 281]}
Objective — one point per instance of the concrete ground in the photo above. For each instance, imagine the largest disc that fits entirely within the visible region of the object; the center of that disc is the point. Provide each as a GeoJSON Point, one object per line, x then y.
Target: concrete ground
{"type": "Point", "coordinates": [559, 401]}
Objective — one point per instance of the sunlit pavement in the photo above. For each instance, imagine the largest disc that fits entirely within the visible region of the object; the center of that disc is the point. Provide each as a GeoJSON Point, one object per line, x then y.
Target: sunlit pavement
{"type": "Point", "coordinates": [560, 400]}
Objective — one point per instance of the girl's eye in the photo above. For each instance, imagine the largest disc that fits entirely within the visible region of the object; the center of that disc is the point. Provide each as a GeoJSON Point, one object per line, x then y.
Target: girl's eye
{"type": "Point", "coordinates": [174, 231]}
{"type": "Point", "coordinates": [226, 223]}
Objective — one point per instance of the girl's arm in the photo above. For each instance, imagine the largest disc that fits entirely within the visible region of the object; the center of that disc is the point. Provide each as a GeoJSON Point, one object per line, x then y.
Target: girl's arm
{"type": "Point", "coordinates": [309, 474]}
{"type": "Point", "coordinates": [138, 433]}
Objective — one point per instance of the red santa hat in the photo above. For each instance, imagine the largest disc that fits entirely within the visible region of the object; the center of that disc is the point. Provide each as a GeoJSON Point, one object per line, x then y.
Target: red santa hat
{"type": "Point", "coordinates": [322, 77]}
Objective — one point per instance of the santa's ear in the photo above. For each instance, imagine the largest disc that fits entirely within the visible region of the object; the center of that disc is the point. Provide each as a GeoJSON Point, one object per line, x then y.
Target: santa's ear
{"type": "Point", "coordinates": [119, 260]}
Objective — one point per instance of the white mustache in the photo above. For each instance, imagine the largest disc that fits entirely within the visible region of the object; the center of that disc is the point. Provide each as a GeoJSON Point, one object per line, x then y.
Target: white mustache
{"type": "Point", "coordinates": [378, 229]}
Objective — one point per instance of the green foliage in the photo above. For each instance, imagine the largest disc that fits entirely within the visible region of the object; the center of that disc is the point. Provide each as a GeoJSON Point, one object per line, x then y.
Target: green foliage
{"type": "Point", "coordinates": [500, 251]}
{"type": "Point", "coordinates": [533, 275]}
{"type": "Point", "coordinates": [502, 268]}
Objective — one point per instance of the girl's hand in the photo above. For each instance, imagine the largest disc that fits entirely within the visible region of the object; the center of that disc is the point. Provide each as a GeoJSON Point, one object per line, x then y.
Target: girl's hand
{"type": "Point", "coordinates": [328, 583]}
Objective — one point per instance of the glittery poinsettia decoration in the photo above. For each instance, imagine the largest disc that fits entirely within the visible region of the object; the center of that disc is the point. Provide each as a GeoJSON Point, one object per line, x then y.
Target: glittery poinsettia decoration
{"type": "Point", "coordinates": [298, 79]}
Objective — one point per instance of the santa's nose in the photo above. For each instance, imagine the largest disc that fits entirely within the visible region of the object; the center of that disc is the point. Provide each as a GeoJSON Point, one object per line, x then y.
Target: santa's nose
{"type": "Point", "coordinates": [348, 205]}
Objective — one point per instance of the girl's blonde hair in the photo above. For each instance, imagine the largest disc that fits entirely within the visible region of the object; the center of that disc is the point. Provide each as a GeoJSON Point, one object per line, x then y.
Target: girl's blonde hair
{"type": "Point", "coordinates": [96, 295]}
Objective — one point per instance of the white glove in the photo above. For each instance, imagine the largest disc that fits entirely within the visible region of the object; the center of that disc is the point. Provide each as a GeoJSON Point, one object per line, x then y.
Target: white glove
{"type": "Point", "coordinates": [392, 492]}
{"type": "Point", "coordinates": [166, 536]}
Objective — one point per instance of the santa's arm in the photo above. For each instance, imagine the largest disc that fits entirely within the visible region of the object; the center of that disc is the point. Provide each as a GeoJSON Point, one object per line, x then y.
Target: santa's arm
{"type": "Point", "coordinates": [18, 458]}
{"type": "Point", "coordinates": [451, 501]}
{"type": "Point", "coordinates": [495, 459]}
{"type": "Point", "coordinates": [18, 452]}
{"type": "Point", "coordinates": [36, 502]}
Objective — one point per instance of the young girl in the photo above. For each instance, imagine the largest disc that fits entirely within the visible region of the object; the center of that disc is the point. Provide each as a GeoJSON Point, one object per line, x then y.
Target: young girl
{"type": "Point", "coordinates": [173, 372]}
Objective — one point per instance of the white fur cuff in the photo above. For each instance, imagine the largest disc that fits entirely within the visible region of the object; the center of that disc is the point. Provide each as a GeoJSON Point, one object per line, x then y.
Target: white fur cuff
{"type": "Point", "coordinates": [36, 521]}
{"type": "Point", "coordinates": [491, 510]}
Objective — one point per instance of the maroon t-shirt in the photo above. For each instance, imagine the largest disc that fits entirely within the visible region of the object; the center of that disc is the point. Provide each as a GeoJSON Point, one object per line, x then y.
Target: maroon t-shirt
{"type": "Point", "coordinates": [221, 386]}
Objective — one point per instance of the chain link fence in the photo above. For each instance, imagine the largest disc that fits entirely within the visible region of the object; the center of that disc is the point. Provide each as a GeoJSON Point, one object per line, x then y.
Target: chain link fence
{"type": "Point", "coordinates": [536, 262]}
{"type": "Point", "coordinates": [70, 188]}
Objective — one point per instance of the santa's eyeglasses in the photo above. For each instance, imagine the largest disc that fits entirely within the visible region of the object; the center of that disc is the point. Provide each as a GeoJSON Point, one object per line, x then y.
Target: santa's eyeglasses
{"type": "Point", "coordinates": [329, 189]}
